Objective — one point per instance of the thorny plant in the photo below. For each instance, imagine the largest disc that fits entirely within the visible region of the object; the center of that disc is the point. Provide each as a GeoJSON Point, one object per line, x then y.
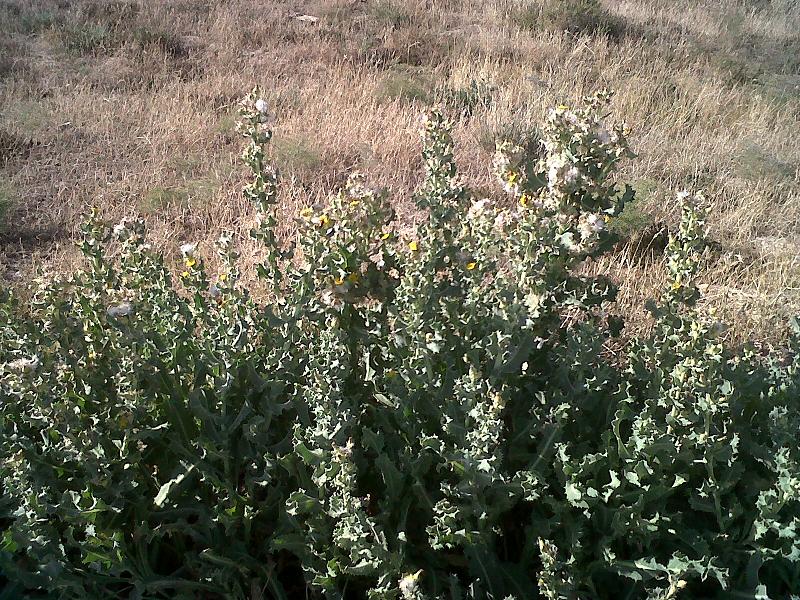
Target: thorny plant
{"type": "Point", "coordinates": [405, 416]}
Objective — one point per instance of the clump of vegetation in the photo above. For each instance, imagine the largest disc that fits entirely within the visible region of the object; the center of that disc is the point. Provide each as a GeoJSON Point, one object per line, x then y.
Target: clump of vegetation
{"type": "Point", "coordinates": [12, 146]}
{"type": "Point", "coordinates": [298, 154]}
{"type": "Point", "coordinates": [466, 99]}
{"type": "Point", "coordinates": [634, 220]}
{"type": "Point", "coordinates": [13, 59]}
{"type": "Point", "coordinates": [86, 38]}
{"type": "Point", "coordinates": [7, 197]}
{"type": "Point", "coordinates": [430, 414]}
{"type": "Point", "coordinates": [27, 18]}
{"type": "Point", "coordinates": [390, 14]}
{"type": "Point", "coordinates": [518, 130]}
{"type": "Point", "coordinates": [406, 85]}
{"type": "Point", "coordinates": [189, 193]}
{"type": "Point", "coordinates": [166, 41]}
{"type": "Point", "coordinates": [573, 16]}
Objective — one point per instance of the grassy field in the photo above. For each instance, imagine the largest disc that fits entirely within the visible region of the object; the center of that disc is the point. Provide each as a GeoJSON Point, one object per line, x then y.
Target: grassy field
{"type": "Point", "coordinates": [130, 106]}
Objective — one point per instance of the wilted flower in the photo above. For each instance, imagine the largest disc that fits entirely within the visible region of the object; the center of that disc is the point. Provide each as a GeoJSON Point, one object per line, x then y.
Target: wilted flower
{"type": "Point", "coordinates": [224, 240]}
{"type": "Point", "coordinates": [356, 188]}
{"type": "Point", "coordinates": [568, 241]}
{"type": "Point", "coordinates": [347, 449]}
{"type": "Point", "coordinates": [571, 175]}
{"type": "Point", "coordinates": [591, 225]}
{"type": "Point", "coordinates": [511, 183]}
{"type": "Point", "coordinates": [478, 208]}
{"type": "Point", "coordinates": [121, 228]}
{"type": "Point", "coordinates": [557, 168]}
{"type": "Point", "coordinates": [188, 249]}
{"type": "Point", "coordinates": [330, 298]}
{"type": "Point", "coordinates": [501, 220]}
{"type": "Point", "coordinates": [408, 585]}
{"type": "Point", "coordinates": [24, 365]}
{"type": "Point", "coordinates": [261, 106]}
{"type": "Point", "coordinates": [122, 309]}
{"type": "Point", "coordinates": [596, 222]}
{"type": "Point", "coordinates": [505, 166]}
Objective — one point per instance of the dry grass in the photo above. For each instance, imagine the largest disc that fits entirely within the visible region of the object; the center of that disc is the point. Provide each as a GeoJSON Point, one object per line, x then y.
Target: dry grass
{"type": "Point", "coordinates": [129, 106]}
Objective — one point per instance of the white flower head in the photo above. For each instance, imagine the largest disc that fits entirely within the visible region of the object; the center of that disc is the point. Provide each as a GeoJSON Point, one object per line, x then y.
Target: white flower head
{"type": "Point", "coordinates": [501, 220]}
{"type": "Point", "coordinates": [224, 240]}
{"type": "Point", "coordinates": [123, 309]}
{"type": "Point", "coordinates": [570, 117]}
{"type": "Point", "coordinates": [596, 222]}
{"type": "Point", "coordinates": [571, 175]}
{"type": "Point", "coordinates": [511, 188]}
{"type": "Point", "coordinates": [356, 188]}
{"type": "Point", "coordinates": [555, 164]}
{"type": "Point", "coordinates": [121, 228]}
{"type": "Point", "coordinates": [591, 225]}
{"type": "Point", "coordinates": [261, 106]}
{"type": "Point", "coordinates": [478, 208]}
{"type": "Point", "coordinates": [568, 241]}
{"type": "Point", "coordinates": [347, 449]}
{"type": "Point", "coordinates": [408, 585]}
{"type": "Point", "coordinates": [188, 249]}
{"type": "Point", "coordinates": [603, 136]}
{"type": "Point", "coordinates": [24, 365]}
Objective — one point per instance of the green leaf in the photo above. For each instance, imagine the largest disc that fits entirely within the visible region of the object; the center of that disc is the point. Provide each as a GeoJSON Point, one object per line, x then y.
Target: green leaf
{"type": "Point", "coordinates": [164, 490]}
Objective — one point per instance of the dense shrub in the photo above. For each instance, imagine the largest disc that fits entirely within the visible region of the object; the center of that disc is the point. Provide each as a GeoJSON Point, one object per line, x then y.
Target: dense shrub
{"type": "Point", "coordinates": [431, 415]}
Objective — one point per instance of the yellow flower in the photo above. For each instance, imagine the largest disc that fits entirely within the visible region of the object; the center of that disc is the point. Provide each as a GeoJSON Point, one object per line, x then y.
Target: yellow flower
{"type": "Point", "coordinates": [190, 262]}
{"type": "Point", "coordinates": [386, 235]}
{"type": "Point", "coordinates": [562, 107]}
{"type": "Point", "coordinates": [676, 286]}
{"type": "Point", "coordinates": [523, 201]}
{"type": "Point", "coordinates": [324, 219]}
{"type": "Point", "coordinates": [414, 246]}
{"type": "Point", "coordinates": [355, 202]}
{"type": "Point", "coordinates": [511, 177]}
{"type": "Point", "coordinates": [606, 218]}
{"type": "Point", "coordinates": [223, 277]}
{"type": "Point", "coordinates": [352, 278]}
{"type": "Point", "coordinates": [338, 281]}
{"type": "Point", "coordinates": [471, 266]}
{"type": "Point", "coordinates": [307, 212]}
{"type": "Point", "coordinates": [185, 274]}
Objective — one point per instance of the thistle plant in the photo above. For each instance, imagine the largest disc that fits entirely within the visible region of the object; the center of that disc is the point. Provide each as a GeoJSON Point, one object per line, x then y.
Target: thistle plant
{"type": "Point", "coordinates": [419, 415]}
